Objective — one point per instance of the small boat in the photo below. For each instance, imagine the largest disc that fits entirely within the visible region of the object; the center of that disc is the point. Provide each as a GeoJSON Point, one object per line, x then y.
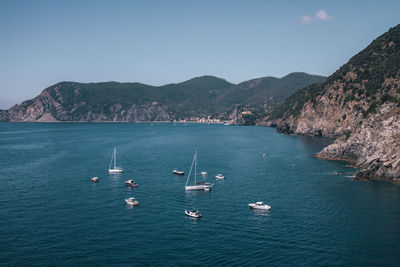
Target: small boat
{"type": "Point", "coordinates": [204, 173]}
{"type": "Point", "coordinates": [131, 201]}
{"type": "Point", "coordinates": [131, 183]}
{"type": "Point", "coordinates": [94, 179]}
{"type": "Point", "coordinates": [193, 213]}
{"type": "Point", "coordinates": [259, 205]}
{"type": "Point", "coordinates": [220, 177]}
{"type": "Point", "coordinates": [197, 185]}
{"type": "Point", "coordinates": [264, 155]}
{"type": "Point", "coordinates": [178, 172]}
{"type": "Point", "coordinates": [115, 168]}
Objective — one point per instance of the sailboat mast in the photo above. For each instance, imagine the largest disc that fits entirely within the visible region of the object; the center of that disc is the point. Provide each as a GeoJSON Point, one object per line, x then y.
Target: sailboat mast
{"type": "Point", "coordinates": [115, 156]}
{"type": "Point", "coordinates": [195, 169]}
{"type": "Point", "coordinates": [191, 167]}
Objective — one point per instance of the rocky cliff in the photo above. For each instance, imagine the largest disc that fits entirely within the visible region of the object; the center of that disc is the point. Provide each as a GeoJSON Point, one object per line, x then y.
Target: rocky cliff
{"type": "Point", "coordinates": [373, 146]}
{"type": "Point", "coordinates": [359, 104]}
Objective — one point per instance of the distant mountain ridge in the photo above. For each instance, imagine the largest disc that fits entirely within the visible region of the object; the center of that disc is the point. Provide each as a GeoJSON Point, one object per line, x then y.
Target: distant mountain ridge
{"type": "Point", "coordinates": [205, 97]}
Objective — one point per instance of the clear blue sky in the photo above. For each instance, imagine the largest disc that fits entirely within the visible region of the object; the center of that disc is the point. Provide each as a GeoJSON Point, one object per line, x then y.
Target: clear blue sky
{"type": "Point", "coordinates": [158, 42]}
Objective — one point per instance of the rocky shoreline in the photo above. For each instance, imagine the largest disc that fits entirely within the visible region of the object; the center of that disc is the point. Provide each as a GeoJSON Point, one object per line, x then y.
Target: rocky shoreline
{"type": "Point", "coordinates": [359, 105]}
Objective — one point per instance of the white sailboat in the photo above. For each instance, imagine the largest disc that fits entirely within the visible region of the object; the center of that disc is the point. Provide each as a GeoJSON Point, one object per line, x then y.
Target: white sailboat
{"type": "Point", "coordinates": [113, 163]}
{"type": "Point", "coordinates": [197, 185]}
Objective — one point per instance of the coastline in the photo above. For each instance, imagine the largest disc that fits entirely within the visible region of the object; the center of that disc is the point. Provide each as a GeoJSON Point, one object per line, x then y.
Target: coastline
{"type": "Point", "coordinates": [138, 122]}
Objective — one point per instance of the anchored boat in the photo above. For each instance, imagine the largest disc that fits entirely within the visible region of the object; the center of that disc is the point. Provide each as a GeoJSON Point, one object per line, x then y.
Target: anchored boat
{"type": "Point", "coordinates": [193, 213]}
{"type": "Point", "coordinates": [131, 201]}
{"type": "Point", "coordinates": [259, 205]}
{"type": "Point", "coordinates": [94, 179]}
{"type": "Point", "coordinates": [131, 183]}
{"type": "Point", "coordinates": [113, 164]}
{"type": "Point", "coordinates": [178, 172]}
{"type": "Point", "coordinates": [220, 177]}
{"type": "Point", "coordinates": [197, 185]}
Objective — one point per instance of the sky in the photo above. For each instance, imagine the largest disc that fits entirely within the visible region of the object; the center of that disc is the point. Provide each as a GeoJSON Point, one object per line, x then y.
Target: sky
{"type": "Point", "coordinates": [160, 42]}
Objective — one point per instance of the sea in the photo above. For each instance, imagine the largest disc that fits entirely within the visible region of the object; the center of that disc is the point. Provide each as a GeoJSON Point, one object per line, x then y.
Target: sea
{"type": "Point", "coordinates": [51, 214]}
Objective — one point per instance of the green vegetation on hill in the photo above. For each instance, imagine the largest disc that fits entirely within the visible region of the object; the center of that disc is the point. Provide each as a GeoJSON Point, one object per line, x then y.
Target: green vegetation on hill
{"type": "Point", "coordinates": [201, 97]}
{"type": "Point", "coordinates": [368, 80]}
{"type": "Point", "coordinates": [295, 102]}
{"type": "Point", "coordinates": [268, 90]}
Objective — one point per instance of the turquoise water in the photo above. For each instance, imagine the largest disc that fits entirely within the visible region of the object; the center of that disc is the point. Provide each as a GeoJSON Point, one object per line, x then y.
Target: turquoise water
{"type": "Point", "coordinates": [51, 214]}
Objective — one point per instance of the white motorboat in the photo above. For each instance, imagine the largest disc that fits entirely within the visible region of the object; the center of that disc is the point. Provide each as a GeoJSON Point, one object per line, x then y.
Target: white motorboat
{"type": "Point", "coordinates": [113, 162]}
{"type": "Point", "coordinates": [193, 213]}
{"type": "Point", "coordinates": [197, 185]}
{"type": "Point", "coordinates": [259, 205]}
{"type": "Point", "coordinates": [220, 177]}
{"type": "Point", "coordinates": [94, 179]}
{"type": "Point", "coordinates": [178, 172]}
{"type": "Point", "coordinates": [204, 173]}
{"type": "Point", "coordinates": [131, 183]}
{"type": "Point", "coordinates": [131, 201]}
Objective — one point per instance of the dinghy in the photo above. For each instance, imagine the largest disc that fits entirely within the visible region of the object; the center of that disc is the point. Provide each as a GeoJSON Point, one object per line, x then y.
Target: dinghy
{"type": "Point", "coordinates": [193, 213]}
{"type": "Point", "coordinates": [131, 201]}
{"type": "Point", "coordinates": [94, 179]}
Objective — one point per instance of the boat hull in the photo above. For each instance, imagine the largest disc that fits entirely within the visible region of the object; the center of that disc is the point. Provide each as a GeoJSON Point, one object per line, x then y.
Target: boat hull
{"type": "Point", "coordinates": [198, 187]}
{"type": "Point", "coordinates": [131, 184]}
{"type": "Point", "coordinates": [115, 171]}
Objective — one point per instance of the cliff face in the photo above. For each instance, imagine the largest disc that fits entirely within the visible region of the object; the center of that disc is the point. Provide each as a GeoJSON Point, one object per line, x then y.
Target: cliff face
{"type": "Point", "coordinates": [360, 104]}
{"type": "Point", "coordinates": [373, 146]}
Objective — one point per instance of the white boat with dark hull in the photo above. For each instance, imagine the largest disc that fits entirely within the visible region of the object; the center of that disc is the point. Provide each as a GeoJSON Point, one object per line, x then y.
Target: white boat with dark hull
{"type": "Point", "coordinates": [178, 172]}
{"type": "Point", "coordinates": [113, 168]}
{"type": "Point", "coordinates": [94, 179]}
{"type": "Point", "coordinates": [259, 205]}
{"type": "Point", "coordinates": [193, 213]}
{"type": "Point", "coordinates": [204, 173]}
{"type": "Point", "coordinates": [131, 183]}
{"type": "Point", "coordinates": [197, 185]}
{"type": "Point", "coordinates": [131, 201]}
{"type": "Point", "coordinates": [220, 177]}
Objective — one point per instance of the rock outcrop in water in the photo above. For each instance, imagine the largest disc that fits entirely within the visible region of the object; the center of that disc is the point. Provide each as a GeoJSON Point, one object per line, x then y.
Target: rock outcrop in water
{"type": "Point", "coordinates": [359, 104]}
{"type": "Point", "coordinates": [204, 97]}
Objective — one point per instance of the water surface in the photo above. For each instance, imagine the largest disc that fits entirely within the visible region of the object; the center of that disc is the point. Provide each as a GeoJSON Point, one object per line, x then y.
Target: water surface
{"type": "Point", "coordinates": [51, 214]}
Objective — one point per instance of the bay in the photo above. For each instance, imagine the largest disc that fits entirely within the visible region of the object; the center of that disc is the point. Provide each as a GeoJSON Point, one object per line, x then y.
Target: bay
{"type": "Point", "coordinates": [51, 214]}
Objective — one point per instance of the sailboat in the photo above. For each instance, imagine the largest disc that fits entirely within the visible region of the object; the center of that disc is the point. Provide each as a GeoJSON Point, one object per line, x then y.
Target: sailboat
{"type": "Point", "coordinates": [197, 185]}
{"type": "Point", "coordinates": [113, 162]}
